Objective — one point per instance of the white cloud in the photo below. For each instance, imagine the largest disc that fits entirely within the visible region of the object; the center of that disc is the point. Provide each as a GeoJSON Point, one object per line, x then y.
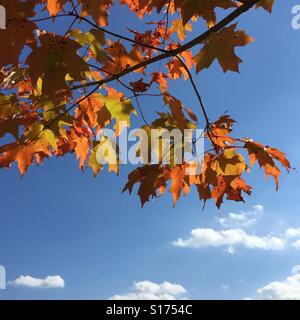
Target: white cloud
{"type": "Point", "coordinates": [30, 282]}
{"type": "Point", "coordinates": [288, 289]}
{"type": "Point", "coordinates": [203, 238]}
{"type": "Point", "coordinates": [147, 290]}
{"type": "Point", "coordinates": [233, 233]}
{"type": "Point", "coordinates": [244, 219]}
{"type": "Point", "coordinates": [296, 269]}
{"type": "Point", "coordinates": [258, 208]}
{"type": "Point", "coordinates": [296, 244]}
{"type": "Point", "coordinates": [292, 233]}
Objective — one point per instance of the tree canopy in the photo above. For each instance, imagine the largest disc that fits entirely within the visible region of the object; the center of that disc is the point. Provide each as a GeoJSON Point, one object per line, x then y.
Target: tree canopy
{"type": "Point", "coordinates": [59, 90]}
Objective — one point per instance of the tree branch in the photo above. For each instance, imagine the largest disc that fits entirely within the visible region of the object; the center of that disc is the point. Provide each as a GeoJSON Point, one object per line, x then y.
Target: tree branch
{"type": "Point", "coordinates": [166, 54]}
{"type": "Point", "coordinates": [171, 53]}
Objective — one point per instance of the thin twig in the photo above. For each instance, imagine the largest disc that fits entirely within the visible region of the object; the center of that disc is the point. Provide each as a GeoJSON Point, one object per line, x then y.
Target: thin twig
{"type": "Point", "coordinates": [171, 53]}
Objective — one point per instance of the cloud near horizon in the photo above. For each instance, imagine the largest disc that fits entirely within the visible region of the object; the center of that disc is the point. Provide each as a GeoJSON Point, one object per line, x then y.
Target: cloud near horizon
{"type": "Point", "coordinates": [148, 290]}
{"type": "Point", "coordinates": [31, 282]}
{"type": "Point", "coordinates": [288, 289]}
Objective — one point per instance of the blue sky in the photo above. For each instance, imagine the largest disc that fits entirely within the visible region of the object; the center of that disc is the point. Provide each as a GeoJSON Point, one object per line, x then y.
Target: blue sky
{"type": "Point", "coordinates": [58, 221]}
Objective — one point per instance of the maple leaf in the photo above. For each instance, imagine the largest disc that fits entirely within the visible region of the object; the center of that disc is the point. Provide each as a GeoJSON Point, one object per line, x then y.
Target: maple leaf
{"type": "Point", "coordinates": [180, 29]}
{"type": "Point", "coordinates": [119, 107]}
{"type": "Point", "coordinates": [266, 4]}
{"type": "Point", "coordinates": [98, 9]}
{"type": "Point", "coordinates": [36, 130]}
{"type": "Point", "coordinates": [139, 86]}
{"type": "Point", "coordinates": [105, 151]}
{"type": "Point", "coordinates": [280, 156]}
{"type": "Point", "coordinates": [191, 114]}
{"type": "Point", "coordinates": [13, 126]}
{"type": "Point", "coordinates": [50, 139]}
{"type": "Point", "coordinates": [219, 132]}
{"type": "Point", "coordinates": [176, 68]}
{"type": "Point", "coordinates": [265, 157]}
{"type": "Point", "coordinates": [140, 7]}
{"type": "Point", "coordinates": [178, 182]}
{"type": "Point", "coordinates": [230, 163]}
{"type": "Point", "coordinates": [204, 9]}
{"type": "Point", "coordinates": [143, 7]}
{"type": "Point", "coordinates": [120, 59]}
{"type": "Point", "coordinates": [94, 38]}
{"type": "Point", "coordinates": [230, 186]}
{"type": "Point", "coordinates": [94, 111]}
{"type": "Point", "coordinates": [220, 176]}
{"type": "Point", "coordinates": [103, 117]}
{"type": "Point", "coordinates": [54, 6]}
{"type": "Point", "coordinates": [160, 79]}
{"type": "Point", "coordinates": [221, 46]}
{"type": "Point", "coordinates": [23, 154]}
{"type": "Point", "coordinates": [55, 59]}
{"type": "Point", "coordinates": [101, 110]}
{"type": "Point", "coordinates": [19, 30]}
{"type": "Point", "coordinates": [176, 108]}
{"type": "Point", "coordinates": [152, 179]}
{"type": "Point", "coordinates": [82, 149]}
{"type": "Point", "coordinates": [9, 107]}
{"type": "Point", "coordinates": [204, 192]}
{"type": "Point", "coordinates": [93, 163]}
{"type": "Point", "coordinates": [149, 38]}
{"type": "Point", "coordinates": [219, 190]}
